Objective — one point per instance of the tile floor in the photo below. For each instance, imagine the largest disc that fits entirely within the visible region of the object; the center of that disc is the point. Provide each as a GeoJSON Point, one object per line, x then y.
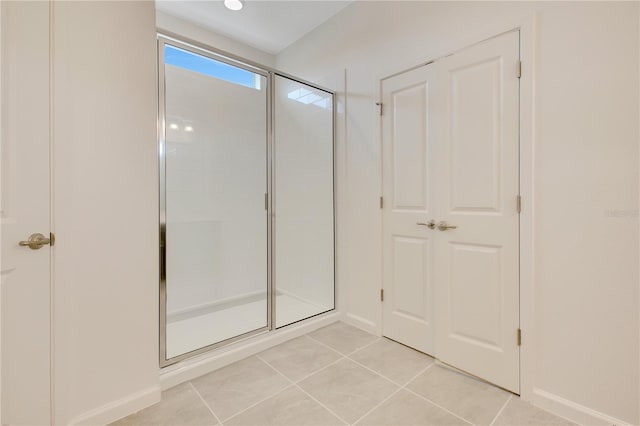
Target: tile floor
{"type": "Point", "coordinates": [334, 376]}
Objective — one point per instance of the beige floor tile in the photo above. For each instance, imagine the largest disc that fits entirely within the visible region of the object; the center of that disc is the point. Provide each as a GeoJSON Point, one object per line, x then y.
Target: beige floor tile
{"type": "Point", "coordinates": [299, 357]}
{"type": "Point", "coordinates": [393, 360]}
{"type": "Point", "coordinates": [237, 386]}
{"type": "Point", "coordinates": [179, 406]}
{"type": "Point", "coordinates": [347, 389]}
{"type": "Point", "coordinates": [405, 408]}
{"type": "Point", "coordinates": [471, 399]}
{"type": "Point", "coordinates": [343, 337]}
{"type": "Point", "coordinates": [289, 407]}
{"type": "Point", "coordinates": [518, 412]}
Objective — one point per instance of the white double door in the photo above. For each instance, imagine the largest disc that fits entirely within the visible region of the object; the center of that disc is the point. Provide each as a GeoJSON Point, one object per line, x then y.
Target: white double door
{"type": "Point", "coordinates": [450, 220]}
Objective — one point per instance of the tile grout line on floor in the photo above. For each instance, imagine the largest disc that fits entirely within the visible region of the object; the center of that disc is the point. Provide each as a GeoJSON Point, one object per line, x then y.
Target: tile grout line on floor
{"type": "Point", "coordinates": [255, 404]}
{"type": "Point", "coordinates": [437, 405]}
{"type": "Point", "coordinates": [261, 400]}
{"type": "Point", "coordinates": [205, 403]}
{"type": "Point", "coordinates": [295, 384]}
{"type": "Point", "coordinates": [309, 374]}
{"type": "Point", "coordinates": [501, 410]}
{"type": "Point", "coordinates": [392, 394]}
{"type": "Point", "coordinates": [348, 356]}
{"type": "Point", "coordinates": [383, 376]}
{"type": "Point", "coordinates": [305, 392]}
{"type": "Point", "coordinates": [377, 338]}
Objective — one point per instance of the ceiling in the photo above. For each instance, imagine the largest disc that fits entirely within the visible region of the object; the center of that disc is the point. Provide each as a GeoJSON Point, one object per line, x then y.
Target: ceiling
{"type": "Point", "coordinates": [264, 24]}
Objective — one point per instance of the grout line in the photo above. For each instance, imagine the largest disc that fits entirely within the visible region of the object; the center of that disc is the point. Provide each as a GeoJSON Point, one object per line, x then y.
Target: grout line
{"type": "Point", "coordinates": [501, 410]}
{"type": "Point", "coordinates": [321, 404]}
{"type": "Point", "coordinates": [376, 340]}
{"type": "Point", "coordinates": [205, 403]}
{"type": "Point", "coordinates": [257, 403]}
{"type": "Point", "coordinates": [437, 405]}
{"type": "Point", "coordinates": [395, 392]}
{"type": "Point", "coordinates": [325, 345]}
{"type": "Point", "coordinates": [350, 353]}
{"type": "Point", "coordinates": [305, 392]}
{"type": "Point", "coordinates": [295, 384]}
{"type": "Point", "coordinates": [392, 394]}
{"type": "Point", "coordinates": [313, 372]}
{"type": "Point", "coordinates": [385, 377]}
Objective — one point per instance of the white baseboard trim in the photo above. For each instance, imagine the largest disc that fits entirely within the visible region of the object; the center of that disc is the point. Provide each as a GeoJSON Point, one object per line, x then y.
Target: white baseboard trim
{"type": "Point", "coordinates": [120, 408]}
{"type": "Point", "coordinates": [189, 369]}
{"type": "Point", "coordinates": [572, 410]}
{"type": "Point", "coordinates": [361, 323]}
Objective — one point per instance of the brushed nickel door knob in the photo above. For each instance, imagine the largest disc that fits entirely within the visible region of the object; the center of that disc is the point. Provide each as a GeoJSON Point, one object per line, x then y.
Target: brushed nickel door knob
{"type": "Point", "coordinates": [443, 226]}
{"type": "Point", "coordinates": [430, 224]}
{"type": "Point", "coordinates": [35, 241]}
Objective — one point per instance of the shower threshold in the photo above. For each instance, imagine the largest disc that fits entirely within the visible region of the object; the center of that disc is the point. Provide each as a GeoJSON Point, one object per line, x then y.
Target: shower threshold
{"type": "Point", "coordinates": [189, 333]}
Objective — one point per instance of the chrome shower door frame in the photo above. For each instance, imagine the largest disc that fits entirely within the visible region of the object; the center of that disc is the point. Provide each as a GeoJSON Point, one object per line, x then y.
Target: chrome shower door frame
{"type": "Point", "coordinates": [164, 39]}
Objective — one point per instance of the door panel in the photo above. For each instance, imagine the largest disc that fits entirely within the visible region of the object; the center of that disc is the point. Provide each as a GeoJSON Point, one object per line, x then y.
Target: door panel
{"type": "Point", "coordinates": [477, 282]}
{"type": "Point", "coordinates": [408, 168]}
{"type": "Point", "coordinates": [410, 283]}
{"type": "Point", "coordinates": [475, 136]}
{"type": "Point", "coordinates": [409, 147]}
{"type": "Point", "coordinates": [474, 294]}
{"type": "Point", "coordinates": [450, 154]}
{"type": "Point", "coordinates": [25, 273]}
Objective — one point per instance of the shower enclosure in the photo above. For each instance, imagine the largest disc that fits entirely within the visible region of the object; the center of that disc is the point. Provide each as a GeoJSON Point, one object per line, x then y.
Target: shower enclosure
{"type": "Point", "coordinates": [246, 199]}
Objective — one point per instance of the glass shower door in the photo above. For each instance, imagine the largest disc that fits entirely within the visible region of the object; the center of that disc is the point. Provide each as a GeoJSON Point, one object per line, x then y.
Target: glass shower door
{"type": "Point", "coordinates": [303, 193]}
{"type": "Point", "coordinates": [213, 216]}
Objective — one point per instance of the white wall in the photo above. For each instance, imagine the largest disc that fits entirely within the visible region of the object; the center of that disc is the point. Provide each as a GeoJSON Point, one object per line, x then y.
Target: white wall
{"type": "Point", "coordinates": [191, 31]}
{"type": "Point", "coordinates": [585, 346]}
{"type": "Point", "coordinates": [105, 210]}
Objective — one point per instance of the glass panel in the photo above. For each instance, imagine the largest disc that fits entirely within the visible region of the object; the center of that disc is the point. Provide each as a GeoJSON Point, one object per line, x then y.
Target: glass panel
{"type": "Point", "coordinates": [303, 178]}
{"type": "Point", "coordinates": [215, 181]}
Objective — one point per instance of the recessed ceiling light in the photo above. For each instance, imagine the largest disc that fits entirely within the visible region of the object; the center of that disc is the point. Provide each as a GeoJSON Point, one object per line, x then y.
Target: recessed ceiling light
{"type": "Point", "coordinates": [233, 4]}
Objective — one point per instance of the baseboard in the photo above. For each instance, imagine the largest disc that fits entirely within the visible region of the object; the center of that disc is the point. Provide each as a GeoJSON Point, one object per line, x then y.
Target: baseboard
{"type": "Point", "coordinates": [120, 408]}
{"type": "Point", "coordinates": [189, 369]}
{"type": "Point", "coordinates": [361, 323]}
{"type": "Point", "coordinates": [572, 410]}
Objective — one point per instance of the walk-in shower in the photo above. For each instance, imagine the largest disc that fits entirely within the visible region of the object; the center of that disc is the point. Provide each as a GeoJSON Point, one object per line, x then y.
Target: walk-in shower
{"type": "Point", "coordinates": [246, 199]}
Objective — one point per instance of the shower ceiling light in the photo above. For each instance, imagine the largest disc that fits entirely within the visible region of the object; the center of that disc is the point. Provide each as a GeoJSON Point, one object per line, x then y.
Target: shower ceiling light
{"type": "Point", "coordinates": [233, 4]}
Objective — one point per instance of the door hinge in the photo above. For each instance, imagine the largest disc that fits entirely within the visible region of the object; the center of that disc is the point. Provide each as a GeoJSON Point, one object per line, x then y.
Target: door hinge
{"type": "Point", "coordinates": [52, 239]}
{"type": "Point", "coordinates": [266, 201]}
{"type": "Point", "coordinates": [381, 202]}
{"type": "Point", "coordinates": [519, 337]}
{"type": "Point", "coordinates": [379, 104]}
{"type": "Point", "coordinates": [519, 69]}
{"type": "Point", "coordinates": [382, 295]}
{"type": "Point", "coordinates": [519, 203]}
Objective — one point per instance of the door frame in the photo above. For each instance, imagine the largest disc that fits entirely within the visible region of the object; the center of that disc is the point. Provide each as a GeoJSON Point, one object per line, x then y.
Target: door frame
{"type": "Point", "coordinates": [526, 27]}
